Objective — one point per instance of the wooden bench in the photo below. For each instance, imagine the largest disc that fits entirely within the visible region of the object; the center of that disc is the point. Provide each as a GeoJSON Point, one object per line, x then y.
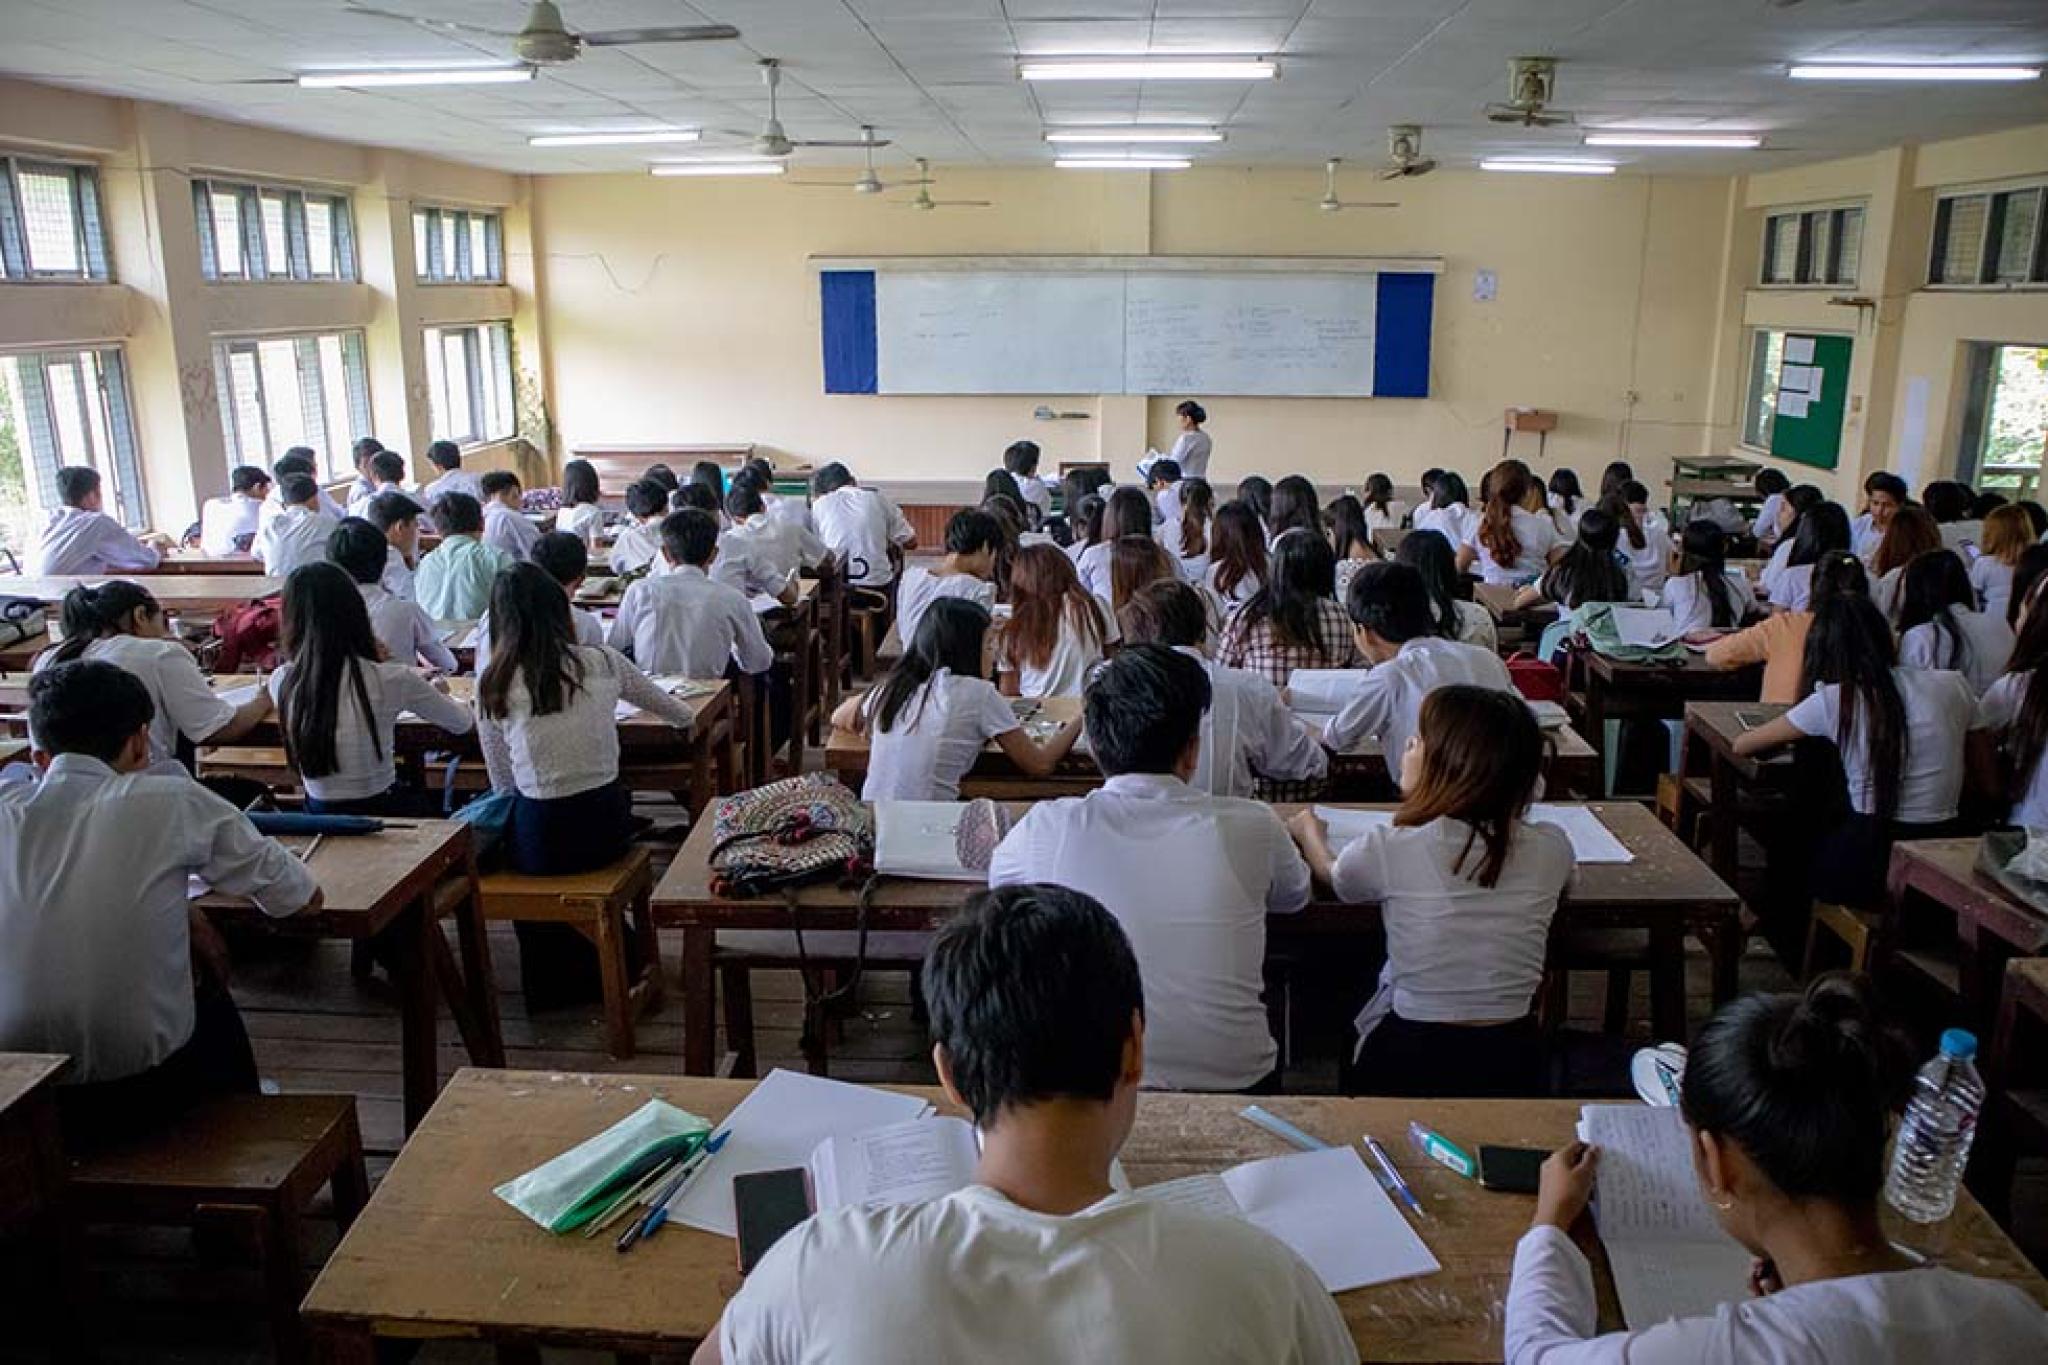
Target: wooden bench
{"type": "Point", "coordinates": [828, 963]}
{"type": "Point", "coordinates": [2016, 1069]}
{"type": "Point", "coordinates": [248, 1167]}
{"type": "Point", "coordinates": [596, 905]}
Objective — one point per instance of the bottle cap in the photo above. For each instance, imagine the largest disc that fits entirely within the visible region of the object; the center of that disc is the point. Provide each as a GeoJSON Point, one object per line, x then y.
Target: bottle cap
{"type": "Point", "coordinates": [1959, 1043]}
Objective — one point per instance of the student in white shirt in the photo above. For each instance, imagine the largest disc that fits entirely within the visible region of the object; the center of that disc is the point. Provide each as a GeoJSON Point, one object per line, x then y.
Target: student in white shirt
{"type": "Point", "coordinates": [1940, 627]}
{"type": "Point", "coordinates": [568, 563]}
{"type": "Point", "coordinates": [1162, 485]}
{"type": "Point", "coordinates": [2007, 534]}
{"type": "Point", "coordinates": [297, 460]}
{"type": "Point", "coordinates": [299, 535]}
{"type": "Point", "coordinates": [928, 719]}
{"type": "Point", "coordinates": [387, 475]}
{"type": "Point", "coordinates": [1190, 876]}
{"type": "Point", "coordinates": [1951, 505]}
{"type": "Point", "coordinates": [405, 633]}
{"type": "Point", "coordinates": [1057, 630]}
{"type": "Point", "coordinates": [783, 511]}
{"type": "Point", "coordinates": [1644, 544]}
{"type": "Point", "coordinates": [1350, 539]}
{"type": "Point", "coordinates": [1383, 511]}
{"type": "Point", "coordinates": [638, 545]}
{"type": "Point", "coordinates": [120, 623]}
{"type": "Point", "coordinates": [1770, 486]}
{"type": "Point", "coordinates": [1248, 733]}
{"type": "Point", "coordinates": [859, 525]}
{"type": "Point", "coordinates": [973, 540]}
{"type": "Point", "coordinates": [582, 513]}
{"type": "Point", "coordinates": [685, 621]}
{"type": "Point", "coordinates": [1186, 537]}
{"type": "Point", "coordinates": [1787, 1103]}
{"type": "Point", "coordinates": [781, 549]}
{"type": "Point", "coordinates": [1389, 610]}
{"type": "Point", "coordinates": [1457, 616]}
{"type": "Point", "coordinates": [339, 703]}
{"type": "Point", "coordinates": [1909, 534]}
{"type": "Point", "coordinates": [1566, 500]}
{"type": "Point", "coordinates": [505, 525]}
{"type": "Point", "coordinates": [1592, 567]}
{"type": "Point", "coordinates": [228, 525]}
{"type": "Point", "coordinates": [1821, 528]}
{"type": "Point", "coordinates": [397, 517]}
{"type": "Point", "coordinates": [99, 958]}
{"type": "Point", "coordinates": [2011, 729]}
{"type": "Point", "coordinates": [1040, 1031]}
{"type": "Point", "coordinates": [1706, 594]}
{"type": "Point", "coordinates": [446, 456]}
{"type": "Point", "coordinates": [79, 538]}
{"type": "Point", "coordinates": [1449, 511]}
{"type": "Point", "coordinates": [1510, 545]}
{"type": "Point", "coordinates": [1127, 512]}
{"type": "Point", "coordinates": [1238, 562]}
{"type": "Point", "coordinates": [1467, 888]}
{"type": "Point", "coordinates": [1021, 460]}
{"type": "Point", "coordinates": [360, 455]}
{"type": "Point", "coordinates": [1884, 495]}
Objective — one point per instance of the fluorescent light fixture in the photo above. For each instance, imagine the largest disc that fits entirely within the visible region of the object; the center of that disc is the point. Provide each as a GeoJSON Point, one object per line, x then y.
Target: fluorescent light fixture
{"type": "Point", "coordinates": [1132, 135]}
{"type": "Point", "coordinates": [1891, 71]}
{"type": "Point", "coordinates": [614, 139]}
{"type": "Point", "coordinates": [1624, 137]}
{"type": "Point", "coordinates": [719, 168]}
{"type": "Point", "coordinates": [1148, 69]}
{"type": "Point", "coordinates": [414, 75]}
{"type": "Point", "coordinates": [1553, 166]}
{"type": "Point", "coordinates": [1122, 163]}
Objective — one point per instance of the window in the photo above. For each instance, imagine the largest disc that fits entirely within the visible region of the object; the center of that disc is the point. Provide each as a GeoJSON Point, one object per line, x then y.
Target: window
{"type": "Point", "coordinates": [1813, 246]}
{"type": "Point", "coordinates": [1990, 238]}
{"type": "Point", "coordinates": [273, 232]}
{"type": "Point", "coordinates": [469, 382]}
{"type": "Point", "coordinates": [2005, 418]}
{"type": "Point", "coordinates": [276, 392]}
{"type": "Point", "coordinates": [50, 226]}
{"type": "Point", "coordinates": [62, 408]}
{"type": "Point", "coordinates": [458, 246]}
{"type": "Point", "coordinates": [1760, 401]}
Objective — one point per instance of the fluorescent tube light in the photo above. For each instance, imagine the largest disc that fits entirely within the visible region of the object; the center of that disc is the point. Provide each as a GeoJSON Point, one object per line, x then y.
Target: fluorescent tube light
{"type": "Point", "coordinates": [1122, 163]}
{"type": "Point", "coordinates": [1887, 71]}
{"type": "Point", "coordinates": [1622, 137]}
{"type": "Point", "coordinates": [718, 168]}
{"type": "Point", "coordinates": [1149, 69]}
{"type": "Point", "coordinates": [447, 75]}
{"type": "Point", "coordinates": [1132, 135]}
{"type": "Point", "coordinates": [1549, 167]}
{"type": "Point", "coordinates": [614, 139]}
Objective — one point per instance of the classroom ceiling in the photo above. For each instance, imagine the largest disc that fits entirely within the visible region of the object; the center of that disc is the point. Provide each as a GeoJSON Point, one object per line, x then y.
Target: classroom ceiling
{"type": "Point", "coordinates": [938, 77]}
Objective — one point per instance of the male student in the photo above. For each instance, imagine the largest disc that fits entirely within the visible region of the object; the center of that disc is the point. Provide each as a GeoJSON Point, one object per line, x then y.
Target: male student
{"type": "Point", "coordinates": [1190, 876]}
{"type": "Point", "coordinates": [781, 510]}
{"type": "Point", "coordinates": [859, 525]}
{"type": "Point", "coordinates": [637, 547]}
{"type": "Point", "coordinates": [401, 627]}
{"type": "Point", "coordinates": [299, 535]}
{"type": "Point", "coordinates": [97, 950]}
{"type": "Point", "coordinates": [1039, 1029]}
{"type": "Point", "coordinates": [1162, 482]}
{"type": "Point", "coordinates": [1247, 732]}
{"type": "Point", "coordinates": [296, 460]}
{"type": "Point", "coordinates": [453, 582]}
{"type": "Point", "coordinates": [770, 552]}
{"type": "Point", "coordinates": [387, 475]}
{"type": "Point", "coordinates": [79, 538]}
{"type": "Point", "coordinates": [1021, 460]}
{"type": "Point", "coordinates": [1884, 493]}
{"type": "Point", "coordinates": [446, 456]}
{"type": "Point", "coordinates": [505, 523]}
{"type": "Point", "coordinates": [228, 525]}
{"type": "Point", "coordinates": [1395, 628]}
{"type": "Point", "coordinates": [567, 560]}
{"type": "Point", "coordinates": [397, 516]}
{"type": "Point", "coordinates": [973, 538]}
{"type": "Point", "coordinates": [365, 483]}
{"type": "Point", "coordinates": [685, 622]}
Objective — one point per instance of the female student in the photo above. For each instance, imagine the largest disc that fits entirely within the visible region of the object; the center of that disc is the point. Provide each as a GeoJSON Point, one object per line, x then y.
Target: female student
{"type": "Point", "coordinates": [1645, 545]}
{"type": "Point", "coordinates": [1940, 626]}
{"type": "Point", "coordinates": [1057, 629]}
{"type": "Point", "coordinates": [1909, 534]}
{"type": "Point", "coordinates": [1001, 483]}
{"type": "Point", "coordinates": [339, 702]}
{"type": "Point", "coordinates": [1344, 522]}
{"type": "Point", "coordinates": [974, 541]}
{"type": "Point", "coordinates": [1128, 513]}
{"type": "Point", "coordinates": [581, 515]}
{"type": "Point", "coordinates": [1705, 594]}
{"type": "Point", "coordinates": [1770, 486]}
{"type": "Point", "coordinates": [712, 476]}
{"type": "Point", "coordinates": [1294, 620]}
{"type": "Point", "coordinates": [2014, 715]}
{"type": "Point", "coordinates": [120, 623]}
{"type": "Point", "coordinates": [1567, 500]}
{"type": "Point", "coordinates": [2007, 533]}
{"type": "Point", "coordinates": [1450, 593]}
{"type": "Point", "coordinates": [1952, 505]}
{"type": "Point", "coordinates": [1187, 537]}
{"type": "Point", "coordinates": [1382, 511]}
{"type": "Point", "coordinates": [1295, 507]}
{"type": "Point", "coordinates": [1238, 562]}
{"type": "Point", "coordinates": [1787, 1102]}
{"type": "Point", "coordinates": [1084, 524]}
{"type": "Point", "coordinates": [1511, 545]}
{"type": "Point", "coordinates": [1822, 529]}
{"type": "Point", "coordinates": [929, 718]}
{"type": "Point", "coordinates": [1591, 569]}
{"type": "Point", "coordinates": [1467, 889]}
{"type": "Point", "coordinates": [1256, 492]}
{"type": "Point", "coordinates": [1778, 642]}
{"type": "Point", "coordinates": [1136, 562]}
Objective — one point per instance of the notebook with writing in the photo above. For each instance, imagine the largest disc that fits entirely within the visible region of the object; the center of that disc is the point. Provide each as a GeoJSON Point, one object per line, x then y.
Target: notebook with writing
{"type": "Point", "coordinates": [1670, 1258]}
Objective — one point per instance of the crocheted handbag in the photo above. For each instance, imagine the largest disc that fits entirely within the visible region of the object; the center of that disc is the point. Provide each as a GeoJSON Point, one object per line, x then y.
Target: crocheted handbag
{"type": "Point", "coordinates": [800, 829]}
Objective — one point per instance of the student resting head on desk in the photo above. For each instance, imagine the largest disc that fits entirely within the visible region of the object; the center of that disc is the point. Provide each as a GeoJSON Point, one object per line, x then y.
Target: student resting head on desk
{"type": "Point", "coordinates": [1788, 1102]}
{"type": "Point", "coordinates": [101, 956]}
{"type": "Point", "coordinates": [1467, 888]}
{"type": "Point", "coordinates": [1039, 1030]}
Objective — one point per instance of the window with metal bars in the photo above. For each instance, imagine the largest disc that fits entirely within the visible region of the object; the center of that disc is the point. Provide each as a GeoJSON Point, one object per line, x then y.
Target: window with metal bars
{"type": "Point", "coordinates": [1817, 246]}
{"type": "Point", "coordinates": [469, 382]}
{"type": "Point", "coordinates": [458, 246]}
{"type": "Point", "coordinates": [282, 391]}
{"type": "Point", "coordinates": [1990, 239]}
{"type": "Point", "coordinates": [50, 222]}
{"type": "Point", "coordinates": [273, 232]}
{"type": "Point", "coordinates": [69, 407]}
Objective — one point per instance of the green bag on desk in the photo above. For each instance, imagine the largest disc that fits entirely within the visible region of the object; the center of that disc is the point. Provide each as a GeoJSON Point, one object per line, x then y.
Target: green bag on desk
{"type": "Point", "coordinates": [564, 1194]}
{"type": "Point", "coordinates": [1596, 622]}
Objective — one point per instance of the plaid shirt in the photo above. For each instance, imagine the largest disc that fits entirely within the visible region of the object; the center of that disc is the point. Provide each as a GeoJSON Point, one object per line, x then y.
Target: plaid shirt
{"type": "Point", "coordinates": [1254, 649]}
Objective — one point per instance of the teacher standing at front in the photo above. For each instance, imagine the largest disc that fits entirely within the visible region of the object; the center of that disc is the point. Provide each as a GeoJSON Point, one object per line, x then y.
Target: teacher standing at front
{"type": "Point", "coordinates": [1190, 449]}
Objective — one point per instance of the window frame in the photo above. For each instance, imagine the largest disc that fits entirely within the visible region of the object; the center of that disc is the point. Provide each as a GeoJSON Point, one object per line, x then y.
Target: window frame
{"type": "Point", "coordinates": [253, 247]}
{"type": "Point", "coordinates": [120, 464]}
{"type": "Point", "coordinates": [488, 361]}
{"type": "Point", "coordinates": [1813, 224]}
{"type": "Point", "coordinates": [353, 403]}
{"type": "Point", "coordinates": [88, 216]}
{"type": "Point", "coordinates": [1997, 199]}
{"type": "Point", "coordinates": [430, 264]}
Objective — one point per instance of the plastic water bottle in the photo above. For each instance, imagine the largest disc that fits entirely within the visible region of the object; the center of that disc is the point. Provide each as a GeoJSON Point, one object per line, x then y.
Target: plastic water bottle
{"type": "Point", "coordinates": [1934, 1137]}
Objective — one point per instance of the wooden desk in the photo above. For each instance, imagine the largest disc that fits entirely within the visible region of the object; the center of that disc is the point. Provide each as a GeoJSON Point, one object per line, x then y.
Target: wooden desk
{"type": "Point", "coordinates": [1711, 728]}
{"type": "Point", "coordinates": [619, 464]}
{"type": "Point", "coordinates": [32, 1174]}
{"type": "Point", "coordinates": [191, 562]}
{"type": "Point", "coordinates": [20, 656]}
{"type": "Point", "coordinates": [436, 1255]}
{"type": "Point", "coordinates": [384, 888]}
{"type": "Point", "coordinates": [13, 751]}
{"type": "Point", "coordinates": [1666, 891]}
{"type": "Point", "coordinates": [181, 594]}
{"type": "Point", "coordinates": [1948, 924]}
{"type": "Point", "coordinates": [1606, 689]}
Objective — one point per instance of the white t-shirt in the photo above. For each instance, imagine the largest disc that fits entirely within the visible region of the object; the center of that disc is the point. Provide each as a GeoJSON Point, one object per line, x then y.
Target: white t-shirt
{"type": "Point", "coordinates": [404, 630]}
{"type": "Point", "coordinates": [683, 622]}
{"type": "Point", "coordinates": [1939, 709]}
{"type": "Point", "coordinates": [223, 521]}
{"type": "Point", "coordinates": [583, 520]}
{"type": "Point", "coordinates": [185, 704]}
{"type": "Point", "coordinates": [1692, 609]}
{"type": "Point", "coordinates": [1534, 534]}
{"type": "Point", "coordinates": [1388, 702]}
{"type": "Point", "coordinates": [1075, 651]}
{"type": "Point", "coordinates": [1986, 646]}
{"type": "Point", "coordinates": [1243, 590]}
{"type": "Point", "coordinates": [1649, 565]}
{"type": "Point", "coordinates": [1992, 578]}
{"type": "Point", "coordinates": [1248, 732]}
{"type": "Point", "coordinates": [974, 1277]}
{"type": "Point", "coordinates": [1092, 566]}
{"type": "Point", "coordinates": [298, 536]}
{"type": "Point", "coordinates": [575, 749]}
{"type": "Point", "coordinates": [364, 752]}
{"type": "Point", "coordinates": [1792, 590]}
{"type": "Point", "coordinates": [1454, 523]}
{"type": "Point", "coordinates": [1999, 709]}
{"type": "Point", "coordinates": [921, 587]}
{"type": "Point", "coordinates": [859, 524]}
{"type": "Point", "coordinates": [936, 738]}
{"type": "Point", "coordinates": [74, 541]}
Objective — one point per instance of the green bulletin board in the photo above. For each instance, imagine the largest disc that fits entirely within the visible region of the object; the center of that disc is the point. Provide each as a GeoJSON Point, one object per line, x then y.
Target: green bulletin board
{"type": "Point", "coordinates": [1813, 391]}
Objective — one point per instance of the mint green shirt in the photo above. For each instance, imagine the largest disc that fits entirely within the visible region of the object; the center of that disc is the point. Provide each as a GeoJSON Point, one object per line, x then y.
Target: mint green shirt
{"type": "Point", "coordinates": [454, 580]}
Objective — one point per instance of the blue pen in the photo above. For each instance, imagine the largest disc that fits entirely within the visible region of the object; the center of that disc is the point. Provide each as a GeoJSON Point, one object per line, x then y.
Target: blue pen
{"type": "Point", "coordinates": [658, 1215]}
{"type": "Point", "coordinates": [1396, 1186]}
{"type": "Point", "coordinates": [1282, 1129]}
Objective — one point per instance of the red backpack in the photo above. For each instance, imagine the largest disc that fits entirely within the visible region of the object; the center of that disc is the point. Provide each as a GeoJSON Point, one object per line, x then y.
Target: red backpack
{"type": "Point", "coordinates": [1536, 679]}
{"type": "Point", "coordinates": [248, 635]}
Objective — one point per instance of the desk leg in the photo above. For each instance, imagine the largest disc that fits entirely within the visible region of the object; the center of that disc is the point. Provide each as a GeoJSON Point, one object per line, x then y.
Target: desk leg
{"type": "Point", "coordinates": [485, 1036]}
{"type": "Point", "coordinates": [1596, 730]}
{"type": "Point", "coordinates": [700, 1002]}
{"type": "Point", "coordinates": [1727, 819]}
{"type": "Point", "coordinates": [702, 745]}
{"type": "Point", "coordinates": [339, 1345]}
{"type": "Point", "coordinates": [1667, 979]}
{"type": "Point", "coordinates": [1724, 943]}
{"type": "Point", "coordinates": [404, 945]}
{"type": "Point", "coordinates": [799, 691]}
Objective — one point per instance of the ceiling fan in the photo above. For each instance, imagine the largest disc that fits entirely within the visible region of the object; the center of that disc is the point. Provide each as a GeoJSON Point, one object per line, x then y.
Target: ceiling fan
{"type": "Point", "coordinates": [1330, 203]}
{"type": "Point", "coordinates": [869, 182]}
{"type": "Point", "coordinates": [774, 143]}
{"type": "Point", "coordinates": [1404, 153]}
{"type": "Point", "coordinates": [1532, 85]}
{"type": "Point", "coordinates": [923, 202]}
{"type": "Point", "coordinates": [545, 41]}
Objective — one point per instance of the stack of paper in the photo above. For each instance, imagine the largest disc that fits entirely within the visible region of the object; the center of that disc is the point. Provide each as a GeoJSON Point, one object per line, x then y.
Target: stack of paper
{"type": "Point", "coordinates": [1670, 1259]}
{"type": "Point", "coordinates": [921, 839]}
{"type": "Point", "coordinates": [1323, 691]}
{"type": "Point", "coordinates": [903, 1163]}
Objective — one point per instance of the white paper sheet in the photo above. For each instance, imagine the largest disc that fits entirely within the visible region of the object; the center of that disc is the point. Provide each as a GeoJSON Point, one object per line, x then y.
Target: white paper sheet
{"type": "Point", "coordinates": [1670, 1259]}
{"type": "Point", "coordinates": [1648, 627]}
{"type": "Point", "coordinates": [239, 696]}
{"type": "Point", "coordinates": [1205, 1193]}
{"type": "Point", "coordinates": [1793, 405]}
{"type": "Point", "coordinates": [1322, 691]}
{"type": "Point", "coordinates": [921, 839]}
{"type": "Point", "coordinates": [1348, 825]}
{"type": "Point", "coordinates": [901, 1164]}
{"type": "Point", "coordinates": [1796, 379]}
{"type": "Point", "coordinates": [1329, 1209]}
{"type": "Point", "coordinates": [1592, 841]}
{"type": "Point", "coordinates": [1799, 350]}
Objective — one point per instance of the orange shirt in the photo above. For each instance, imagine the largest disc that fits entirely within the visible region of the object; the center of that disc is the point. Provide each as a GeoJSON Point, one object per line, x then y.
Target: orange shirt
{"type": "Point", "coordinates": [1779, 643]}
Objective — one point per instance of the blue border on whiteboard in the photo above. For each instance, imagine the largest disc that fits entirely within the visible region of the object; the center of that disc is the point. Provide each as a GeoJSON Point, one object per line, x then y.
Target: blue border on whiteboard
{"type": "Point", "coordinates": [1400, 348]}
{"type": "Point", "coordinates": [847, 299]}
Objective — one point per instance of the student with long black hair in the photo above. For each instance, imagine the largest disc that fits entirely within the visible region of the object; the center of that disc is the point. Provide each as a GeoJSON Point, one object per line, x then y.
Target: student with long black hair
{"type": "Point", "coordinates": [1822, 529]}
{"type": "Point", "coordinates": [928, 719]}
{"type": "Point", "coordinates": [1567, 499]}
{"type": "Point", "coordinates": [1187, 537]}
{"type": "Point", "coordinates": [582, 513]}
{"type": "Point", "coordinates": [1645, 541]}
{"type": "Point", "coordinates": [1293, 621]}
{"type": "Point", "coordinates": [1940, 626]}
{"type": "Point", "coordinates": [1084, 524]}
{"type": "Point", "coordinates": [1591, 570]}
{"type": "Point", "coordinates": [1617, 473]}
{"type": "Point", "coordinates": [1128, 512]}
{"type": "Point", "coordinates": [2013, 717]}
{"type": "Point", "coordinates": [339, 702]}
{"type": "Point", "coordinates": [1238, 562]}
{"type": "Point", "coordinates": [1458, 617]}
{"type": "Point", "coordinates": [1382, 511]}
{"type": "Point", "coordinates": [1705, 594]}
{"type": "Point", "coordinates": [1295, 507]}
{"type": "Point", "coordinates": [1788, 1104]}
{"type": "Point", "coordinates": [1256, 492]}
{"type": "Point", "coordinates": [1449, 512]}
{"type": "Point", "coordinates": [1344, 523]}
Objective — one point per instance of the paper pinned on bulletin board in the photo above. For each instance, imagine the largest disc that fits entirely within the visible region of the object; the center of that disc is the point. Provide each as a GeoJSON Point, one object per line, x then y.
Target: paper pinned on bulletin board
{"type": "Point", "coordinates": [1798, 350]}
{"type": "Point", "coordinates": [1796, 378]}
{"type": "Point", "coordinates": [1793, 405]}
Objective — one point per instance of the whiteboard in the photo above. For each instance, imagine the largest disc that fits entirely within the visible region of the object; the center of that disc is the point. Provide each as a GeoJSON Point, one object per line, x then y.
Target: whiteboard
{"type": "Point", "coordinates": [1295, 335]}
{"type": "Point", "coordinates": [1036, 332]}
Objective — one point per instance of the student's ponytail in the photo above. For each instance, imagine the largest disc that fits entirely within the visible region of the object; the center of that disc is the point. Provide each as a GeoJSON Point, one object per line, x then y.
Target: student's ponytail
{"type": "Point", "coordinates": [90, 614]}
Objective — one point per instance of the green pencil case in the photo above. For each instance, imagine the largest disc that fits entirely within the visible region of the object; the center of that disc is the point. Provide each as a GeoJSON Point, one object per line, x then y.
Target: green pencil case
{"type": "Point", "coordinates": [564, 1194]}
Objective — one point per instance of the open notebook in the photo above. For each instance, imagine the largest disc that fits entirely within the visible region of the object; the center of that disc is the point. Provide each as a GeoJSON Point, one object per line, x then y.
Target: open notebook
{"type": "Point", "coordinates": [1670, 1259]}
{"type": "Point", "coordinates": [922, 839]}
{"type": "Point", "coordinates": [1592, 841]}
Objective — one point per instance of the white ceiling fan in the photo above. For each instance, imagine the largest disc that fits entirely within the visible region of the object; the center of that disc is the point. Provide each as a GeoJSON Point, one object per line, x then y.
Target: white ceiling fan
{"type": "Point", "coordinates": [545, 40]}
{"type": "Point", "coordinates": [923, 202]}
{"type": "Point", "coordinates": [1532, 85]}
{"type": "Point", "coordinates": [775, 143]}
{"type": "Point", "coordinates": [869, 181]}
{"type": "Point", "coordinates": [1404, 153]}
{"type": "Point", "coordinates": [1330, 203]}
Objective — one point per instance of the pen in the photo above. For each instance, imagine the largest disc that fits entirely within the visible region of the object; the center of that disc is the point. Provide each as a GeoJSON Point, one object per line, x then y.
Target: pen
{"type": "Point", "coordinates": [306, 854]}
{"type": "Point", "coordinates": [658, 1215]}
{"type": "Point", "coordinates": [1281, 1128]}
{"type": "Point", "coordinates": [1398, 1187]}
{"type": "Point", "coordinates": [626, 1200]}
